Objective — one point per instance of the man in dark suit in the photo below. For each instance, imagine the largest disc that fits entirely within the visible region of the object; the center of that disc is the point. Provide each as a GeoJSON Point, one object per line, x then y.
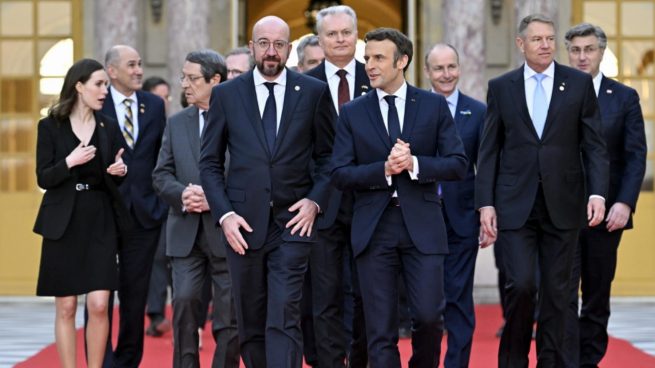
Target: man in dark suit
{"type": "Point", "coordinates": [141, 118]}
{"type": "Point", "coordinates": [462, 222]}
{"type": "Point", "coordinates": [392, 147]}
{"type": "Point", "coordinates": [347, 80]}
{"type": "Point", "coordinates": [595, 258]}
{"type": "Point", "coordinates": [194, 243]}
{"type": "Point", "coordinates": [310, 53]}
{"type": "Point", "coordinates": [273, 121]}
{"type": "Point", "coordinates": [541, 139]}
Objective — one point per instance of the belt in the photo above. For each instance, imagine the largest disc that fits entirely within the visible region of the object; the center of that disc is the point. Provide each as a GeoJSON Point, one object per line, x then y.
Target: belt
{"type": "Point", "coordinates": [82, 187]}
{"type": "Point", "coordinates": [394, 202]}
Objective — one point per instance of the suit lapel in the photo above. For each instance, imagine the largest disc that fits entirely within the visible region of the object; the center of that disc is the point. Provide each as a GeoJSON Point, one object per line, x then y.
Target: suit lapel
{"type": "Point", "coordinates": [192, 124]}
{"type": "Point", "coordinates": [362, 84]}
{"type": "Point", "coordinates": [291, 97]}
{"type": "Point", "coordinates": [103, 141]}
{"type": "Point", "coordinates": [518, 90]}
{"type": "Point", "coordinates": [462, 106]}
{"type": "Point", "coordinates": [557, 97]}
{"type": "Point", "coordinates": [373, 108]}
{"type": "Point", "coordinates": [411, 107]}
{"type": "Point", "coordinates": [605, 95]}
{"type": "Point", "coordinates": [142, 121]}
{"type": "Point", "coordinates": [108, 107]}
{"type": "Point", "coordinates": [249, 98]}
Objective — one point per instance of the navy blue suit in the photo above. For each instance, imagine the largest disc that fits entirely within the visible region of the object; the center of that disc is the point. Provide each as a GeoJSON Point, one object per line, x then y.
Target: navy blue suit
{"type": "Point", "coordinates": [463, 226]}
{"type": "Point", "coordinates": [326, 264]}
{"type": "Point", "coordinates": [137, 245]}
{"type": "Point", "coordinates": [411, 239]}
{"type": "Point", "coordinates": [260, 186]}
{"type": "Point", "coordinates": [595, 261]}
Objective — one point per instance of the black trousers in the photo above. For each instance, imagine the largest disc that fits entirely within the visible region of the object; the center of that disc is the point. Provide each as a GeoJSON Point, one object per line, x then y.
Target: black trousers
{"type": "Point", "coordinates": [267, 285]}
{"type": "Point", "coordinates": [593, 272]}
{"type": "Point", "coordinates": [189, 276]}
{"type": "Point", "coordinates": [160, 279]}
{"type": "Point", "coordinates": [537, 242]}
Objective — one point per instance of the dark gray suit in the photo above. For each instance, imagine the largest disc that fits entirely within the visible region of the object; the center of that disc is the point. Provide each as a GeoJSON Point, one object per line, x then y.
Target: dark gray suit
{"type": "Point", "coordinates": [194, 244]}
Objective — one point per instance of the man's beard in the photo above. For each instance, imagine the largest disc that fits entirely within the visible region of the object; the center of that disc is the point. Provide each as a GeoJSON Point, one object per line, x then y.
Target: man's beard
{"type": "Point", "coordinates": [270, 71]}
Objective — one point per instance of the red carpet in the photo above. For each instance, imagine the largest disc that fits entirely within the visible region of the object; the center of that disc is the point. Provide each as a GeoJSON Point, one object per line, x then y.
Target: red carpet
{"type": "Point", "coordinates": [158, 351]}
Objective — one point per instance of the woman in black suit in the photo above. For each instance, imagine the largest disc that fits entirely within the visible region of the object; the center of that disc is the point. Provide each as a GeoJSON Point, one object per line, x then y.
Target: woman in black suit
{"type": "Point", "coordinates": [78, 163]}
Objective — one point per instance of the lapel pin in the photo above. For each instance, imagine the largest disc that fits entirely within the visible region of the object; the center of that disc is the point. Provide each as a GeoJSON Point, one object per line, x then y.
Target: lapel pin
{"type": "Point", "coordinates": [297, 88]}
{"type": "Point", "coordinates": [465, 112]}
{"type": "Point", "coordinates": [609, 91]}
{"type": "Point", "coordinates": [413, 100]}
{"type": "Point", "coordinates": [102, 124]}
{"type": "Point", "coordinates": [561, 88]}
{"type": "Point", "coordinates": [364, 89]}
{"type": "Point", "coordinates": [142, 108]}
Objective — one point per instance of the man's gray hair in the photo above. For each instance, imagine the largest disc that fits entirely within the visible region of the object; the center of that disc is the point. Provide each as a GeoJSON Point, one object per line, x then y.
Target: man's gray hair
{"type": "Point", "coordinates": [242, 50]}
{"type": "Point", "coordinates": [311, 40]}
{"type": "Point", "coordinates": [525, 22]}
{"type": "Point", "coordinates": [584, 30]}
{"type": "Point", "coordinates": [332, 10]}
{"type": "Point", "coordinates": [211, 63]}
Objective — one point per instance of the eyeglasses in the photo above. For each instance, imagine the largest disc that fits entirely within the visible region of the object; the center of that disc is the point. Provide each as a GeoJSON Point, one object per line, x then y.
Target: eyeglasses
{"type": "Point", "coordinates": [587, 50]}
{"type": "Point", "coordinates": [278, 45]}
{"type": "Point", "coordinates": [190, 78]}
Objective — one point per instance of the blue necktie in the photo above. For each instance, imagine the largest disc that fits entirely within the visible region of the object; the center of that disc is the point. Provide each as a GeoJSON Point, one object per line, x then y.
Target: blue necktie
{"type": "Point", "coordinates": [392, 119]}
{"type": "Point", "coordinates": [269, 118]}
{"type": "Point", "coordinates": [539, 105]}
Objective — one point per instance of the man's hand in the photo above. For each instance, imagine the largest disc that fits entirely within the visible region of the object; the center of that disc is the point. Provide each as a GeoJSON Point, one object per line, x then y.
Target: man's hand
{"type": "Point", "coordinates": [488, 227]}
{"type": "Point", "coordinates": [304, 219]}
{"type": "Point", "coordinates": [595, 211]}
{"type": "Point", "coordinates": [618, 216]}
{"type": "Point", "coordinates": [399, 159]}
{"type": "Point", "coordinates": [193, 199]}
{"type": "Point", "coordinates": [231, 228]}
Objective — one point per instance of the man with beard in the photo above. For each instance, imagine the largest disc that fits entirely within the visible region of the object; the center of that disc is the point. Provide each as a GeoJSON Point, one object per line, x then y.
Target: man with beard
{"type": "Point", "coordinates": [277, 126]}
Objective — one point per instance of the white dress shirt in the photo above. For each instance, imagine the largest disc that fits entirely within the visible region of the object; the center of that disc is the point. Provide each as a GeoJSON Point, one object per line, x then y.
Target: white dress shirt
{"type": "Point", "coordinates": [278, 91]}
{"type": "Point", "coordinates": [201, 121]}
{"type": "Point", "coordinates": [333, 80]}
{"type": "Point", "coordinates": [597, 79]}
{"type": "Point", "coordinates": [531, 83]}
{"type": "Point", "coordinates": [452, 100]}
{"type": "Point", "coordinates": [121, 109]}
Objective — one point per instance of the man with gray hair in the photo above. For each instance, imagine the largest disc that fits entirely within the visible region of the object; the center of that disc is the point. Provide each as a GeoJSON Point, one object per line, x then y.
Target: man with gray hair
{"type": "Point", "coordinates": [541, 140]}
{"type": "Point", "coordinates": [238, 61]}
{"type": "Point", "coordinates": [310, 53]}
{"type": "Point", "coordinates": [594, 264]}
{"type": "Point", "coordinates": [346, 77]}
{"type": "Point", "coordinates": [192, 241]}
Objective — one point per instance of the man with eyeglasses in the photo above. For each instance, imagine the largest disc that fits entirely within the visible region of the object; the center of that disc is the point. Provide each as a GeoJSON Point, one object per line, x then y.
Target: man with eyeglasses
{"type": "Point", "coordinates": [595, 257]}
{"type": "Point", "coordinates": [238, 61]}
{"type": "Point", "coordinates": [278, 128]}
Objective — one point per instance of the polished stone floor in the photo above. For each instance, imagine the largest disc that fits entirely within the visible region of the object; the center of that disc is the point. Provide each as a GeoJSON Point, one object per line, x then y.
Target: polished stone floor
{"type": "Point", "coordinates": [26, 325]}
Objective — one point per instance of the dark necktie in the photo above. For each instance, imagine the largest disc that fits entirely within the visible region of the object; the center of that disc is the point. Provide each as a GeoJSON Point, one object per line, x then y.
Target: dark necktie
{"type": "Point", "coordinates": [204, 119]}
{"type": "Point", "coordinates": [392, 119]}
{"type": "Point", "coordinates": [343, 92]}
{"type": "Point", "coordinates": [269, 118]}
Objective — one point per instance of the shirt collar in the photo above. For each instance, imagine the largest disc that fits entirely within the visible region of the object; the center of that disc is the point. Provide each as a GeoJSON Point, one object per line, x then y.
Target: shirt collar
{"type": "Point", "coordinates": [597, 80]}
{"type": "Point", "coordinates": [119, 97]}
{"type": "Point", "coordinates": [453, 98]}
{"type": "Point", "coordinates": [529, 72]}
{"type": "Point", "coordinates": [259, 78]}
{"type": "Point", "coordinates": [331, 69]}
{"type": "Point", "coordinates": [400, 93]}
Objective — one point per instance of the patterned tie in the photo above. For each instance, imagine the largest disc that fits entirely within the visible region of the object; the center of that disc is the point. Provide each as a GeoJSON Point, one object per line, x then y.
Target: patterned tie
{"type": "Point", "coordinates": [343, 92]}
{"type": "Point", "coordinates": [539, 105]}
{"type": "Point", "coordinates": [128, 127]}
{"type": "Point", "coordinates": [269, 118]}
{"type": "Point", "coordinates": [392, 119]}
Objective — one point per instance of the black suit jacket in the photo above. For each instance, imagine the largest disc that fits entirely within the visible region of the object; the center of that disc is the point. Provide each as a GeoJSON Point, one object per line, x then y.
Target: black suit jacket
{"type": "Point", "coordinates": [54, 143]}
{"type": "Point", "coordinates": [361, 147]}
{"type": "Point", "coordinates": [458, 196]}
{"type": "Point", "coordinates": [623, 130]}
{"type": "Point", "coordinates": [362, 86]}
{"type": "Point", "coordinates": [513, 160]}
{"type": "Point", "coordinates": [259, 180]}
{"type": "Point", "coordinates": [137, 191]}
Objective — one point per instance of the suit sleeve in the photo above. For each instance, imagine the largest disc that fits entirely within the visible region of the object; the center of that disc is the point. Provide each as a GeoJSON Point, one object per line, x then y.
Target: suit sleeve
{"type": "Point", "coordinates": [450, 163]}
{"type": "Point", "coordinates": [323, 142]}
{"type": "Point", "coordinates": [634, 152]}
{"type": "Point", "coordinates": [594, 151]}
{"type": "Point", "coordinates": [491, 143]}
{"type": "Point", "coordinates": [212, 157]}
{"type": "Point", "coordinates": [164, 178]}
{"type": "Point", "coordinates": [50, 172]}
{"type": "Point", "coordinates": [347, 174]}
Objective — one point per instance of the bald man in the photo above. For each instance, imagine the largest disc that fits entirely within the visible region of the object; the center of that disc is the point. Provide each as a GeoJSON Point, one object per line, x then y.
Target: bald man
{"type": "Point", "coordinates": [268, 199]}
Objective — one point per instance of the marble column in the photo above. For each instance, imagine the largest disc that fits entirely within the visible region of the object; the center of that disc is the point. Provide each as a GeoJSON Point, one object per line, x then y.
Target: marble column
{"type": "Point", "coordinates": [523, 8]}
{"type": "Point", "coordinates": [116, 22]}
{"type": "Point", "coordinates": [463, 27]}
{"type": "Point", "coordinates": [188, 30]}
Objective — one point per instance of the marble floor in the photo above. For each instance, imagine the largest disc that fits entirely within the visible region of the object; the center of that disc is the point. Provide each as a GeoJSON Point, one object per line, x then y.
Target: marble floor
{"type": "Point", "coordinates": [26, 325]}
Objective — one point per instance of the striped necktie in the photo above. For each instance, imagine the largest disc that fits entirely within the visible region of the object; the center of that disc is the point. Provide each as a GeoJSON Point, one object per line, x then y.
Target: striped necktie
{"type": "Point", "coordinates": [128, 127]}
